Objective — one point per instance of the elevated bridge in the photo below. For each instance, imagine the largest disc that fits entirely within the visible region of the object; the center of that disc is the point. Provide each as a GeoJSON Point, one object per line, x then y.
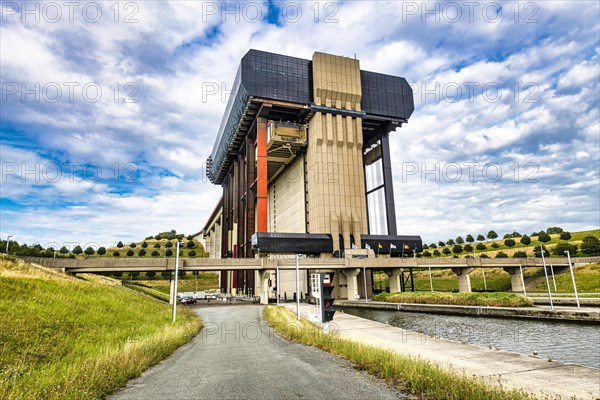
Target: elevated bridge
{"type": "Point", "coordinates": [349, 267]}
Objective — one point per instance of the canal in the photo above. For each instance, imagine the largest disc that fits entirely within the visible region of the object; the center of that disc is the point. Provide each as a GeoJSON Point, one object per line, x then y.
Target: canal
{"type": "Point", "coordinates": [559, 341]}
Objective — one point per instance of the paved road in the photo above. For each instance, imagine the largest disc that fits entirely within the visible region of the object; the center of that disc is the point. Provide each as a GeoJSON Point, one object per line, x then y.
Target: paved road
{"type": "Point", "coordinates": [237, 356]}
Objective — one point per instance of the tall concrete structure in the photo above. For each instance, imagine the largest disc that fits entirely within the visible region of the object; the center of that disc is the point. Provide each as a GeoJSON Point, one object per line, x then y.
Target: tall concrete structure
{"type": "Point", "coordinates": [303, 157]}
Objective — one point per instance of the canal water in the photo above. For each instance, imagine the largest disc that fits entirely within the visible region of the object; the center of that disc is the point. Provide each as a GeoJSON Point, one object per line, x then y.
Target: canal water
{"type": "Point", "coordinates": [565, 342]}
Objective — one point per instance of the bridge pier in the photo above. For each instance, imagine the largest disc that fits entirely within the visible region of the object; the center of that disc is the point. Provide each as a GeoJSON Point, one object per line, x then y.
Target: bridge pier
{"type": "Point", "coordinates": [464, 280]}
{"type": "Point", "coordinates": [263, 276]}
{"type": "Point", "coordinates": [516, 279]}
{"type": "Point", "coordinates": [352, 282]}
{"type": "Point", "coordinates": [395, 275]}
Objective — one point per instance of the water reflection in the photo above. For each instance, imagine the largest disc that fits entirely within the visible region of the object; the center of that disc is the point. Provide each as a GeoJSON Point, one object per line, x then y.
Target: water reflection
{"type": "Point", "coordinates": [559, 341]}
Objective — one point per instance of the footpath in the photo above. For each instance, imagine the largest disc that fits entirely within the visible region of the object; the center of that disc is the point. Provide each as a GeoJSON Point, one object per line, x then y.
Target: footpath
{"type": "Point", "coordinates": [510, 370]}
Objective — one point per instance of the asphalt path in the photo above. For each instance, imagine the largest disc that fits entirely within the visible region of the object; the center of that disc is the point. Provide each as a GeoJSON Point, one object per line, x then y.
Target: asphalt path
{"type": "Point", "coordinates": [237, 356]}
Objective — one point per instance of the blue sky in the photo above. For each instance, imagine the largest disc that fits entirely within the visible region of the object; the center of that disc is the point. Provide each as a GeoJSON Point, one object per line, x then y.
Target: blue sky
{"type": "Point", "coordinates": [108, 112]}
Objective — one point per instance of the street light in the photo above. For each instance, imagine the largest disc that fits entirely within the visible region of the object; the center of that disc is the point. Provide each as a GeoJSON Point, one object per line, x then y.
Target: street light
{"type": "Point", "coordinates": [573, 277]}
{"type": "Point", "coordinates": [7, 240]}
{"type": "Point", "coordinates": [175, 285]}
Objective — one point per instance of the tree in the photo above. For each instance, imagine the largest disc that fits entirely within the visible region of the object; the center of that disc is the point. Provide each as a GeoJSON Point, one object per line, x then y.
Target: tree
{"type": "Point", "coordinates": [180, 237]}
{"type": "Point", "coordinates": [165, 274]}
{"type": "Point", "coordinates": [538, 253]}
{"type": "Point", "coordinates": [457, 249]}
{"type": "Point", "coordinates": [509, 242]}
{"type": "Point", "coordinates": [77, 250]}
{"type": "Point", "coordinates": [433, 246]}
{"type": "Point", "coordinates": [525, 240]}
{"type": "Point", "coordinates": [145, 245]}
{"type": "Point", "coordinates": [190, 237]}
{"type": "Point", "coordinates": [190, 245]}
{"type": "Point", "coordinates": [425, 246]}
{"type": "Point", "coordinates": [469, 238]}
{"type": "Point", "coordinates": [116, 254]}
{"type": "Point", "coordinates": [559, 249]}
{"type": "Point", "coordinates": [120, 244]}
{"type": "Point", "coordinates": [501, 254]}
{"type": "Point", "coordinates": [426, 254]}
{"type": "Point", "coordinates": [484, 256]}
{"type": "Point", "coordinates": [101, 251]}
{"type": "Point", "coordinates": [129, 253]}
{"type": "Point", "coordinates": [150, 274]}
{"type": "Point", "coordinates": [480, 238]}
{"type": "Point", "coordinates": [492, 235]}
{"type": "Point", "coordinates": [436, 253]}
{"type": "Point", "coordinates": [142, 253]}
{"type": "Point", "coordinates": [192, 253]}
{"type": "Point", "coordinates": [507, 236]}
{"type": "Point", "coordinates": [516, 234]}
{"type": "Point", "coordinates": [468, 248]}
{"type": "Point", "coordinates": [441, 244]}
{"type": "Point", "coordinates": [149, 237]}
{"type": "Point", "coordinates": [169, 244]}
{"type": "Point", "coordinates": [182, 273]}
{"type": "Point", "coordinates": [168, 252]}
{"type": "Point", "coordinates": [590, 246]}
{"type": "Point", "coordinates": [157, 245]}
{"type": "Point", "coordinates": [157, 237]}
{"type": "Point", "coordinates": [155, 253]}
{"type": "Point", "coordinates": [565, 236]}
{"type": "Point", "coordinates": [535, 233]}
{"type": "Point", "coordinates": [519, 254]}
{"type": "Point", "coordinates": [63, 250]}
{"type": "Point", "coordinates": [544, 237]}
{"type": "Point", "coordinates": [495, 245]}
{"type": "Point", "coordinates": [171, 236]}
{"type": "Point", "coordinates": [89, 251]}
{"type": "Point", "coordinates": [554, 229]}
{"type": "Point", "coordinates": [460, 240]}
{"type": "Point", "coordinates": [133, 245]}
{"type": "Point", "coordinates": [481, 246]}
{"type": "Point", "coordinates": [450, 242]}
{"type": "Point", "coordinates": [446, 251]}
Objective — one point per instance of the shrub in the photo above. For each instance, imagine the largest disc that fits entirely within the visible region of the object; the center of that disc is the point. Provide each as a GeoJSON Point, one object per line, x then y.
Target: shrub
{"type": "Point", "coordinates": [495, 245]}
{"type": "Point", "coordinates": [116, 254]}
{"type": "Point", "coordinates": [520, 254]}
{"type": "Point", "coordinates": [155, 253]}
{"type": "Point", "coordinates": [169, 244]}
{"type": "Point", "coordinates": [63, 250]}
{"type": "Point", "coordinates": [481, 246]}
{"type": "Point", "coordinates": [484, 256]}
{"type": "Point", "coordinates": [77, 250]}
{"type": "Point", "coordinates": [565, 236]}
{"type": "Point", "coordinates": [426, 254]}
{"type": "Point", "coordinates": [544, 237]}
{"type": "Point", "coordinates": [169, 253]}
{"type": "Point", "coordinates": [102, 251]}
{"type": "Point", "coordinates": [157, 245]}
{"type": "Point", "coordinates": [526, 240]}
{"type": "Point", "coordinates": [120, 244]}
{"type": "Point", "coordinates": [89, 251]}
{"type": "Point", "coordinates": [190, 237]}
{"type": "Point", "coordinates": [446, 251]}
{"type": "Point", "coordinates": [559, 249]}
{"type": "Point", "coordinates": [590, 246]}
{"type": "Point", "coordinates": [501, 254]}
{"type": "Point", "coordinates": [436, 253]}
{"type": "Point", "coordinates": [538, 253]}
{"type": "Point", "coordinates": [142, 253]}
{"type": "Point", "coordinates": [133, 245]}
{"type": "Point", "coordinates": [129, 253]}
{"type": "Point", "coordinates": [509, 242]}
{"type": "Point", "coordinates": [144, 245]}
{"type": "Point", "coordinates": [150, 274]}
{"type": "Point", "coordinates": [190, 245]}
{"type": "Point", "coordinates": [192, 253]}
{"type": "Point", "coordinates": [457, 249]}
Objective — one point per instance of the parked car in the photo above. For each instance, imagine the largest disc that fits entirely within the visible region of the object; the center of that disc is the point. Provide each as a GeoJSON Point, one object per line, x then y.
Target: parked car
{"type": "Point", "coordinates": [187, 300]}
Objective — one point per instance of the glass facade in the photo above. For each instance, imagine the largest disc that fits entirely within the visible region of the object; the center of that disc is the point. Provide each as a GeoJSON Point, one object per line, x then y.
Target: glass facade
{"type": "Point", "coordinates": [386, 95]}
{"type": "Point", "coordinates": [375, 187]}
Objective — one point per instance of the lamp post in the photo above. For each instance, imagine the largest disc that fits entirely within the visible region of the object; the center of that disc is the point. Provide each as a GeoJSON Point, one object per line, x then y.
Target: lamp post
{"type": "Point", "coordinates": [573, 277]}
{"type": "Point", "coordinates": [7, 241]}
{"type": "Point", "coordinates": [175, 285]}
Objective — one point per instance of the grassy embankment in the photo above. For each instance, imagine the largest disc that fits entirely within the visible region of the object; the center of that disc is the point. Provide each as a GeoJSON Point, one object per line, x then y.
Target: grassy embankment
{"type": "Point", "coordinates": [462, 299]}
{"type": "Point", "coordinates": [418, 377]}
{"type": "Point", "coordinates": [66, 337]}
{"type": "Point", "coordinates": [587, 278]}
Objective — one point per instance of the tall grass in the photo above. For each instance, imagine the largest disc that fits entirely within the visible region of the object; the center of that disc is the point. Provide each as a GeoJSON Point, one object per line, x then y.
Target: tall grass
{"type": "Point", "coordinates": [68, 338]}
{"type": "Point", "coordinates": [463, 299]}
{"type": "Point", "coordinates": [418, 377]}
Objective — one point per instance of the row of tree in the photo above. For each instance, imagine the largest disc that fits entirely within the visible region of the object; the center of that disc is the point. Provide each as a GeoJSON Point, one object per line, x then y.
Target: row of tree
{"type": "Point", "coordinates": [144, 245]}
{"type": "Point", "coordinates": [155, 253]}
{"type": "Point", "coordinates": [590, 246]}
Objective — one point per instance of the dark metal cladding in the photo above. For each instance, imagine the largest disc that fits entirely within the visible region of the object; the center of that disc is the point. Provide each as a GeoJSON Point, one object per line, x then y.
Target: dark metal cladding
{"type": "Point", "coordinates": [262, 75]}
{"type": "Point", "coordinates": [290, 243]}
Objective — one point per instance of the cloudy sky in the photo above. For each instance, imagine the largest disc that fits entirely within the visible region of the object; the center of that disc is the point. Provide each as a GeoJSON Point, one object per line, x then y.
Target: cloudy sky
{"type": "Point", "coordinates": [109, 110]}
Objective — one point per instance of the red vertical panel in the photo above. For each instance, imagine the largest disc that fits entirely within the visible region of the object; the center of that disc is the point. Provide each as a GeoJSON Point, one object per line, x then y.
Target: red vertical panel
{"type": "Point", "coordinates": [261, 175]}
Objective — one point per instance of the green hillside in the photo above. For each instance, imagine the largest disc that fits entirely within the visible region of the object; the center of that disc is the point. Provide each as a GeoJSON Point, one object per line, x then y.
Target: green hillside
{"type": "Point", "coordinates": [78, 338]}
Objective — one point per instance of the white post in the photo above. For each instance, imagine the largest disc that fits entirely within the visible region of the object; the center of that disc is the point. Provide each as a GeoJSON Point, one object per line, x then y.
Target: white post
{"type": "Point", "coordinates": [7, 240]}
{"type": "Point", "coordinates": [553, 280]}
{"type": "Point", "coordinates": [297, 288]}
{"type": "Point", "coordinates": [573, 278]}
{"type": "Point", "coordinates": [365, 280]}
{"type": "Point", "coordinates": [546, 274]}
{"type": "Point", "coordinates": [430, 280]}
{"type": "Point", "coordinates": [484, 281]}
{"type": "Point", "coordinates": [277, 285]}
{"type": "Point", "coordinates": [523, 280]}
{"type": "Point", "coordinates": [175, 286]}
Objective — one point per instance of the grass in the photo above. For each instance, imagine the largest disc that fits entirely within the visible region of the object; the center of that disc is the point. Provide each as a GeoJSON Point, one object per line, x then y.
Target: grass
{"type": "Point", "coordinates": [463, 299]}
{"type": "Point", "coordinates": [576, 238]}
{"type": "Point", "coordinates": [150, 292]}
{"type": "Point", "coordinates": [206, 281]}
{"type": "Point", "coordinates": [587, 278]}
{"type": "Point", "coordinates": [64, 337]}
{"type": "Point", "coordinates": [423, 379]}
